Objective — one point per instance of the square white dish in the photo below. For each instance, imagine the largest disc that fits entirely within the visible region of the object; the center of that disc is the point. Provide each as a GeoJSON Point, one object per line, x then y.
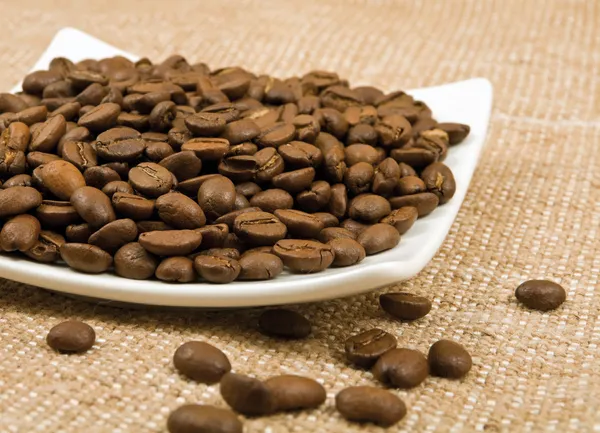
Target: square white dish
{"type": "Point", "coordinates": [467, 102]}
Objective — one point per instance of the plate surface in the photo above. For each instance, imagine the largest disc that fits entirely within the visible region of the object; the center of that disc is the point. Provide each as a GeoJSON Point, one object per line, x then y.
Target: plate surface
{"type": "Point", "coordinates": [467, 102]}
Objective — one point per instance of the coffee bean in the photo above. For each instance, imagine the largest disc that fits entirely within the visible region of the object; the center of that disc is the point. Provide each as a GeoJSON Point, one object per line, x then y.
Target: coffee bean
{"type": "Point", "coordinates": [32, 115]}
{"type": "Point", "coordinates": [369, 208]}
{"type": "Point", "coordinates": [176, 270]}
{"type": "Point", "coordinates": [213, 235]}
{"type": "Point", "coordinates": [46, 249]}
{"type": "Point", "coordinates": [216, 197]}
{"type": "Point", "coordinates": [214, 269]}
{"type": "Point", "coordinates": [327, 219]}
{"type": "Point", "coordinates": [435, 141]}
{"type": "Point", "coordinates": [415, 157]}
{"type": "Point", "coordinates": [78, 133]}
{"type": "Point", "coordinates": [20, 233]}
{"type": "Point", "coordinates": [362, 133]}
{"type": "Point", "coordinates": [347, 252]}
{"type": "Point", "coordinates": [365, 348]}
{"type": "Point", "coordinates": [438, 179]}
{"type": "Point", "coordinates": [405, 306]}
{"type": "Point", "coordinates": [120, 168]}
{"type": "Point", "coordinates": [229, 218]}
{"type": "Point", "coordinates": [34, 83]}
{"type": "Point", "coordinates": [184, 165]}
{"type": "Point", "coordinates": [114, 235]}
{"type": "Point", "coordinates": [71, 336]}
{"type": "Point", "coordinates": [402, 219]}
{"type": "Point", "coordinates": [156, 151]}
{"type": "Point", "coordinates": [180, 211]}
{"type": "Point", "coordinates": [17, 180]}
{"type": "Point", "coordinates": [316, 198]}
{"type": "Point", "coordinates": [79, 153]}
{"type": "Point", "coordinates": [82, 79]}
{"type": "Point", "coordinates": [135, 262]}
{"type": "Point", "coordinates": [334, 165]}
{"type": "Point", "coordinates": [206, 124]}
{"type": "Point", "coordinates": [307, 127]}
{"type": "Point", "coordinates": [228, 253]}
{"type": "Point", "coordinates": [457, 132]}
{"type": "Point", "coordinates": [259, 266]}
{"type": "Point", "coordinates": [449, 359]}
{"type": "Point", "coordinates": [378, 238]}
{"type": "Point", "coordinates": [338, 203]}
{"type": "Point", "coordinates": [36, 159]}
{"type": "Point", "coordinates": [133, 120]}
{"type": "Point", "coordinates": [207, 149]}
{"type": "Point", "coordinates": [238, 168]}
{"type": "Point", "coordinates": [332, 121]}
{"type": "Point", "coordinates": [69, 111]}
{"type": "Point", "coordinates": [240, 131]}
{"type": "Point", "coordinates": [56, 214]}
{"type": "Point", "coordinates": [292, 392]}
{"type": "Point", "coordinates": [170, 242]}
{"type": "Point", "coordinates": [331, 233]}
{"type": "Point", "coordinates": [85, 258]}
{"type": "Point", "coordinates": [394, 131]}
{"type": "Point", "coordinates": [247, 395]}
{"type": "Point", "coordinates": [133, 206]}
{"type": "Point", "coordinates": [359, 177]}
{"type": "Point", "coordinates": [192, 418]}
{"type": "Point", "coordinates": [369, 404]}
{"type": "Point", "coordinates": [300, 224]}
{"type": "Point", "coordinates": [151, 179]}
{"type": "Point", "coordinates": [308, 104]}
{"type": "Point", "coordinates": [424, 202]}
{"type": "Point", "coordinates": [78, 233]}
{"type": "Point", "coordinates": [241, 202]}
{"type": "Point", "coordinates": [386, 177]}
{"type": "Point", "coordinates": [300, 154]}
{"type": "Point", "coordinates": [542, 295]}
{"type": "Point", "coordinates": [45, 138]}
{"type": "Point", "coordinates": [120, 144]}
{"type": "Point", "coordinates": [356, 153]}
{"type": "Point", "coordinates": [115, 186]}
{"type": "Point", "coordinates": [101, 117]}
{"type": "Point", "coordinates": [16, 137]}
{"type": "Point", "coordinates": [279, 322]}
{"type": "Point", "coordinates": [162, 115]}
{"type": "Point", "coordinates": [93, 206]}
{"type": "Point", "coordinates": [401, 368]}
{"type": "Point", "coordinates": [201, 362]}
{"type": "Point", "coordinates": [268, 164]}
{"type": "Point", "coordinates": [304, 256]}
{"type": "Point", "coordinates": [276, 134]}
{"type": "Point", "coordinates": [242, 149]}
{"type": "Point", "coordinates": [18, 200]}
{"type": "Point", "coordinates": [354, 226]}
{"type": "Point", "coordinates": [340, 98]}
{"type": "Point", "coordinates": [369, 94]}
{"type": "Point", "coordinates": [259, 228]}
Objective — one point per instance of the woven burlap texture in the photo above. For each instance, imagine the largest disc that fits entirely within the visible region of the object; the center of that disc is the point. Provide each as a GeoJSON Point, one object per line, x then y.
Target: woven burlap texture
{"type": "Point", "coordinates": [532, 211]}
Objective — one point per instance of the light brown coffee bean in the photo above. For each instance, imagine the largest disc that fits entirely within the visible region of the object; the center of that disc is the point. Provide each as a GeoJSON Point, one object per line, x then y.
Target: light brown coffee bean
{"type": "Point", "coordinates": [151, 179]}
{"type": "Point", "coordinates": [45, 138]}
{"type": "Point", "coordinates": [180, 211]}
{"type": "Point", "coordinates": [93, 206]}
{"type": "Point", "coordinates": [259, 266]}
{"type": "Point", "coordinates": [46, 249]}
{"type": "Point", "coordinates": [402, 219]}
{"type": "Point", "coordinates": [424, 202]}
{"type": "Point", "coordinates": [216, 197]}
{"type": "Point", "coordinates": [304, 256]}
{"type": "Point", "coordinates": [114, 235]}
{"type": "Point", "coordinates": [18, 200]}
{"type": "Point", "coordinates": [369, 208]}
{"type": "Point", "coordinates": [347, 252]}
{"type": "Point", "coordinates": [101, 117]}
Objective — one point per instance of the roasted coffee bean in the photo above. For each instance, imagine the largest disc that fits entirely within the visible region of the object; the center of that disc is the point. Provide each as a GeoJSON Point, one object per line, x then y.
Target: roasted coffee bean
{"type": "Point", "coordinates": [362, 133]}
{"type": "Point", "coordinates": [369, 208]}
{"type": "Point", "coordinates": [46, 249]}
{"type": "Point", "coordinates": [338, 203]}
{"type": "Point", "coordinates": [79, 133]}
{"type": "Point", "coordinates": [115, 186]}
{"type": "Point", "coordinates": [114, 235]}
{"type": "Point", "coordinates": [240, 131]}
{"type": "Point", "coordinates": [405, 306]}
{"type": "Point", "coordinates": [370, 404]}
{"type": "Point", "coordinates": [386, 177]}
{"type": "Point", "coordinates": [292, 392]}
{"type": "Point", "coordinates": [316, 198]}
{"type": "Point", "coordinates": [133, 206]}
{"type": "Point", "coordinates": [238, 168]}
{"type": "Point", "coordinates": [180, 211]}
{"type": "Point", "coordinates": [215, 269]}
{"type": "Point", "coordinates": [401, 368]}
{"type": "Point", "coordinates": [378, 238]}
{"type": "Point", "coordinates": [45, 138]}
{"type": "Point", "coordinates": [340, 98]}
{"type": "Point", "coordinates": [229, 253]}
{"type": "Point", "coordinates": [18, 200]}
{"type": "Point", "coordinates": [438, 179]}
{"type": "Point", "coordinates": [208, 149]}
{"type": "Point", "coordinates": [78, 233]}
{"type": "Point", "coordinates": [16, 137]}
{"type": "Point", "coordinates": [304, 256]}
{"type": "Point", "coordinates": [170, 242]}
{"type": "Point", "coordinates": [121, 168]}
{"type": "Point", "coordinates": [242, 149]}
{"type": "Point", "coordinates": [191, 186]}
{"type": "Point", "coordinates": [162, 115]}
{"type": "Point", "coordinates": [369, 94]}
{"type": "Point", "coordinates": [12, 161]}
{"type": "Point", "coordinates": [542, 295]}
{"type": "Point", "coordinates": [176, 270]}
{"type": "Point", "coordinates": [17, 180]}
{"type": "Point", "coordinates": [280, 322]}
{"type": "Point", "coordinates": [79, 153]}
{"type": "Point", "coordinates": [192, 418]}
{"type": "Point", "coordinates": [334, 165]}
{"type": "Point", "coordinates": [294, 181]}
{"type": "Point", "coordinates": [241, 202]}
{"type": "Point", "coordinates": [145, 103]}
{"type": "Point", "coordinates": [20, 233]}
{"type": "Point", "coordinates": [247, 395]}
{"type": "Point", "coordinates": [308, 104]}
{"type": "Point", "coordinates": [457, 132]}
{"type": "Point", "coordinates": [347, 252]}
{"type": "Point", "coordinates": [259, 266]}
{"type": "Point", "coordinates": [91, 95]}
{"type": "Point", "coordinates": [449, 359]}
{"type": "Point", "coordinates": [364, 349]}
{"type": "Point", "coordinates": [35, 159]}
{"type": "Point", "coordinates": [120, 144]}
{"type": "Point", "coordinates": [52, 104]}
{"type": "Point", "coordinates": [321, 79]}
{"type": "Point", "coordinates": [113, 95]}
{"type": "Point", "coordinates": [424, 202]}
{"type": "Point", "coordinates": [184, 165]}
{"type": "Point", "coordinates": [56, 214]}
{"type": "Point", "coordinates": [300, 154]}
{"type": "Point", "coordinates": [359, 177]}
{"type": "Point", "coordinates": [434, 140]}
{"type": "Point", "coordinates": [230, 217]}
{"type": "Point", "coordinates": [300, 224]}
{"type": "Point", "coordinates": [357, 115]}
{"type": "Point", "coordinates": [93, 206]}
{"type": "Point", "coordinates": [158, 150]}
{"type": "Point", "coordinates": [415, 157]}
{"type": "Point", "coordinates": [133, 120]}
{"type": "Point", "coordinates": [307, 127]}
{"type": "Point", "coordinates": [135, 262]}
{"type": "Point", "coordinates": [353, 226]}
{"type": "Point", "coordinates": [332, 121]}
{"type": "Point", "coordinates": [34, 83]}
{"type": "Point", "coordinates": [151, 179]}
{"type": "Point", "coordinates": [85, 258]}
{"type": "Point", "coordinates": [216, 197]}
{"type": "Point", "coordinates": [402, 219]}
{"type": "Point", "coordinates": [356, 153]}
{"type": "Point", "coordinates": [71, 336]}
{"type": "Point", "coordinates": [206, 124]}
{"type": "Point", "coordinates": [101, 117]}
{"type": "Point", "coordinates": [393, 131]}
{"type": "Point", "coordinates": [32, 115]}
{"type": "Point", "coordinates": [276, 134]}
{"type": "Point", "coordinates": [331, 233]}
{"type": "Point", "coordinates": [151, 226]}
{"type": "Point", "coordinates": [259, 228]}
{"type": "Point", "coordinates": [278, 93]}
{"type": "Point", "coordinates": [268, 164]}
{"type": "Point", "coordinates": [81, 79]}
{"type": "Point", "coordinates": [201, 362]}
{"type": "Point", "coordinates": [327, 219]}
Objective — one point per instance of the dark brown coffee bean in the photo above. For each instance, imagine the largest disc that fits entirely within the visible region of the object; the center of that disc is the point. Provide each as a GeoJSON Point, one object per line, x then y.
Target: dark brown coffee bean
{"type": "Point", "coordinates": [334, 165]}
{"type": "Point", "coordinates": [79, 133]}
{"type": "Point", "coordinates": [347, 252]}
{"type": "Point", "coordinates": [438, 179]}
{"type": "Point", "coordinates": [410, 185]}
{"type": "Point", "coordinates": [120, 144]}
{"type": "Point", "coordinates": [354, 226]}
{"type": "Point", "coordinates": [457, 132]}
{"type": "Point", "coordinates": [52, 104]}
{"type": "Point", "coordinates": [32, 115]}
{"type": "Point", "coordinates": [449, 359]}
{"type": "Point", "coordinates": [259, 228]}
{"type": "Point", "coordinates": [321, 79]}
{"type": "Point", "coordinates": [136, 121]}
{"type": "Point", "coordinates": [242, 149]}
{"type": "Point", "coordinates": [230, 217]}
{"type": "Point", "coordinates": [300, 154]}
{"type": "Point", "coordinates": [307, 127]}
{"type": "Point", "coordinates": [134, 262]}
{"type": "Point", "coordinates": [240, 131]}
{"type": "Point", "coordinates": [232, 241]}
{"type": "Point", "coordinates": [415, 157]}
{"type": "Point", "coordinates": [304, 256]}
{"type": "Point", "coordinates": [78, 233]}
{"type": "Point", "coordinates": [338, 203]}
{"type": "Point", "coordinates": [91, 95]}
{"type": "Point", "coordinates": [158, 150]}
{"type": "Point", "coordinates": [316, 198]}
{"type": "Point", "coordinates": [151, 179]}
{"type": "Point", "coordinates": [386, 177]}
{"type": "Point", "coordinates": [18, 200]}
{"type": "Point", "coordinates": [308, 104]}
{"type": "Point", "coordinates": [247, 395]}
{"type": "Point", "coordinates": [229, 112]}
{"type": "Point", "coordinates": [180, 211]}
{"type": "Point", "coordinates": [35, 159]}
{"type": "Point", "coordinates": [34, 83]}
{"type": "Point", "coordinates": [191, 186]}
{"type": "Point", "coordinates": [162, 115]}
{"type": "Point", "coordinates": [93, 206]}
{"type": "Point", "coordinates": [370, 404]}
{"type": "Point", "coordinates": [331, 233]}
{"type": "Point", "coordinates": [216, 197]}
{"type": "Point", "coordinates": [17, 180]}
{"type": "Point", "coordinates": [369, 94]}
{"type": "Point", "coordinates": [247, 189]}
{"type": "Point", "coordinates": [213, 236]}
{"type": "Point", "coordinates": [16, 137]}
{"type": "Point", "coordinates": [113, 95]}
{"type": "Point", "coordinates": [276, 134]}
{"type": "Point", "coordinates": [356, 153]}
{"type": "Point", "coordinates": [56, 214]}
{"type": "Point", "coordinates": [365, 348]}
{"type": "Point", "coordinates": [300, 224]}
{"type": "Point", "coordinates": [206, 124]}
{"type": "Point", "coordinates": [71, 336]}
{"type": "Point", "coordinates": [238, 168]}
{"type": "Point", "coordinates": [359, 178]}
{"type": "Point", "coordinates": [145, 103]}
{"type": "Point", "coordinates": [121, 168]}
{"type": "Point", "coordinates": [340, 98]}
{"type": "Point", "coordinates": [369, 208]}
{"type": "Point", "coordinates": [115, 186]}
{"type": "Point", "coordinates": [362, 133]}
{"type": "Point", "coordinates": [79, 153]}
{"type": "Point", "coordinates": [12, 161]}
{"type": "Point", "coordinates": [176, 270]}
{"type": "Point", "coordinates": [46, 249]}
{"type": "Point", "coordinates": [201, 362]}
{"type": "Point", "coordinates": [402, 219]}
{"type": "Point", "coordinates": [170, 242]}
{"type": "Point", "coordinates": [20, 233]}
{"type": "Point", "coordinates": [292, 392]}
{"type": "Point", "coordinates": [435, 141]}
{"type": "Point", "coordinates": [228, 253]}
{"type": "Point", "coordinates": [151, 226]}
{"type": "Point", "coordinates": [378, 238]}
{"type": "Point", "coordinates": [85, 258]}
{"type": "Point", "coordinates": [114, 235]}
{"type": "Point", "coordinates": [280, 322]}
{"type": "Point", "coordinates": [191, 418]}
{"type": "Point", "coordinates": [184, 165]}
{"type": "Point", "coordinates": [332, 121]}
{"type": "Point", "coordinates": [278, 93]}
{"type": "Point", "coordinates": [259, 266]}
{"type": "Point", "coordinates": [208, 149]}
{"type": "Point", "coordinates": [133, 206]}
{"type": "Point", "coordinates": [542, 295]}
{"type": "Point", "coordinates": [401, 368]}
{"type": "Point", "coordinates": [327, 219]}
{"type": "Point", "coordinates": [81, 79]}
{"type": "Point", "coordinates": [393, 131]}
{"type": "Point", "coordinates": [294, 181]}
{"type": "Point", "coordinates": [101, 117]}
{"type": "Point", "coordinates": [405, 306]}
{"type": "Point", "coordinates": [45, 138]}
{"type": "Point", "coordinates": [425, 202]}
{"type": "Point", "coordinates": [268, 164]}
{"type": "Point", "coordinates": [215, 269]}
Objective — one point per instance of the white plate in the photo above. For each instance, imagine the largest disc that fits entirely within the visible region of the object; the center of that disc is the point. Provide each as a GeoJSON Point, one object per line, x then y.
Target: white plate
{"type": "Point", "coordinates": [466, 102]}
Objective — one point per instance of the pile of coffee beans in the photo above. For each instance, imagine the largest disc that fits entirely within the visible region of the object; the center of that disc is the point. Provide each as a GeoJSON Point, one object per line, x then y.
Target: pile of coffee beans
{"type": "Point", "coordinates": [175, 171]}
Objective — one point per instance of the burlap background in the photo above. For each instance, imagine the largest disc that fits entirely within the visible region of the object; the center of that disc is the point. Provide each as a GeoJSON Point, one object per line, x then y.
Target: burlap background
{"type": "Point", "coordinates": [532, 211]}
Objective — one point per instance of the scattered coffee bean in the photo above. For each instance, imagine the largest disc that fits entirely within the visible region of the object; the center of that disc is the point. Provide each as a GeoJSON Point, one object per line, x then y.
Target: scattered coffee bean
{"type": "Point", "coordinates": [201, 362]}
{"type": "Point", "coordinates": [71, 336]}
{"type": "Point", "coordinates": [369, 404]}
{"type": "Point", "coordinates": [405, 306]}
{"type": "Point", "coordinates": [291, 392]}
{"type": "Point", "coordinates": [247, 395]}
{"type": "Point", "coordinates": [365, 348]}
{"type": "Point", "coordinates": [196, 418]}
{"type": "Point", "coordinates": [449, 359]}
{"type": "Point", "coordinates": [402, 368]}
{"type": "Point", "coordinates": [279, 322]}
{"type": "Point", "coordinates": [542, 295]}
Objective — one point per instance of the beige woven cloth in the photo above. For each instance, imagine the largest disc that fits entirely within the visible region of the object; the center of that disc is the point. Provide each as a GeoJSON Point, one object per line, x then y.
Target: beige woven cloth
{"type": "Point", "coordinates": [532, 211]}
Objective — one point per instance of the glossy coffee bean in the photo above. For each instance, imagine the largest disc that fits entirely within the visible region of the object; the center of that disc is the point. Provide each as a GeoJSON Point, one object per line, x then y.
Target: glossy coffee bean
{"type": "Point", "coordinates": [180, 211]}
{"type": "Point", "coordinates": [46, 249]}
{"type": "Point", "coordinates": [132, 206]}
{"type": "Point", "coordinates": [93, 206]}
{"type": "Point", "coordinates": [114, 235]}
{"type": "Point", "coordinates": [402, 219]}
{"type": "Point", "coordinates": [18, 200]}
{"type": "Point", "coordinates": [192, 418]}
{"type": "Point", "coordinates": [115, 186]}
{"type": "Point", "coordinates": [71, 336]}
{"type": "Point", "coordinates": [405, 306]}
{"type": "Point", "coordinates": [378, 237]}
{"type": "Point", "coordinates": [280, 322]}
{"type": "Point", "coordinates": [304, 256]}
{"type": "Point", "coordinates": [85, 258]}
{"type": "Point", "coordinates": [401, 368]}
{"type": "Point", "coordinates": [424, 202]}
{"type": "Point", "coordinates": [201, 362]}
{"type": "Point", "coordinates": [365, 348]}
{"type": "Point", "coordinates": [359, 178]}
{"type": "Point", "coordinates": [542, 295]}
{"type": "Point", "coordinates": [338, 202]}
{"type": "Point", "coordinates": [184, 165]}
{"type": "Point", "coordinates": [176, 270]}
{"type": "Point", "coordinates": [259, 266]}
{"type": "Point", "coordinates": [151, 179]}
{"type": "Point", "coordinates": [78, 233]}
{"type": "Point", "coordinates": [370, 404]}
{"type": "Point", "coordinates": [215, 269]}
{"type": "Point", "coordinates": [213, 236]}
{"type": "Point", "coordinates": [20, 233]}
{"type": "Point", "coordinates": [56, 214]}
{"type": "Point", "coordinates": [45, 138]}
{"type": "Point", "coordinates": [247, 395]}
{"type": "Point", "coordinates": [292, 392]}
{"type": "Point", "coordinates": [300, 224]}
{"type": "Point", "coordinates": [449, 359]}
{"type": "Point", "coordinates": [457, 132]}
{"type": "Point", "coordinates": [170, 242]}
{"type": "Point", "coordinates": [347, 252]}
{"type": "Point", "coordinates": [259, 228]}
{"type": "Point", "coordinates": [369, 208]}
{"type": "Point", "coordinates": [101, 117]}
{"type": "Point", "coordinates": [135, 262]}
{"type": "Point", "coordinates": [208, 149]}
